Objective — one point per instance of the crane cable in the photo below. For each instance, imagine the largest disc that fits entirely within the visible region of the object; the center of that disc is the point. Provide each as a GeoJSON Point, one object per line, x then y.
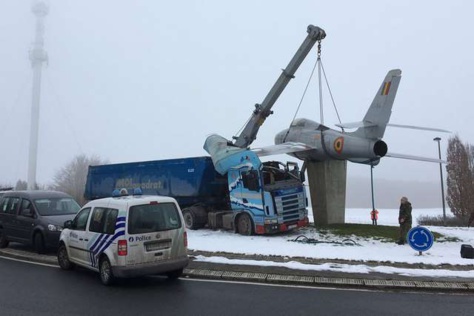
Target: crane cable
{"type": "Point", "coordinates": [332, 98]}
{"type": "Point", "coordinates": [320, 66]}
{"type": "Point", "coordinates": [320, 84]}
{"type": "Point", "coordinates": [305, 89]}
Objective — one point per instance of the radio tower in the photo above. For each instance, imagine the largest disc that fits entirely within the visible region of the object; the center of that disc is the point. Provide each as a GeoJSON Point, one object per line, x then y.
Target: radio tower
{"type": "Point", "coordinates": [37, 57]}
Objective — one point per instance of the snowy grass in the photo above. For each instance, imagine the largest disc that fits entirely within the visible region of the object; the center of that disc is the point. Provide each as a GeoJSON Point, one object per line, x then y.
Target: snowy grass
{"type": "Point", "coordinates": [331, 246]}
{"type": "Point", "coordinates": [382, 233]}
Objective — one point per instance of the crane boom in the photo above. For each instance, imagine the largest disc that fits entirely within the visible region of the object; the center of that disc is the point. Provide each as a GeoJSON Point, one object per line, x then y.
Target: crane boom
{"type": "Point", "coordinates": [262, 111]}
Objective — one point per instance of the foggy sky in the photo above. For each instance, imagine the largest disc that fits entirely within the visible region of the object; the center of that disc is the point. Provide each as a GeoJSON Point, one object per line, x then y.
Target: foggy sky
{"type": "Point", "coordinates": [144, 80]}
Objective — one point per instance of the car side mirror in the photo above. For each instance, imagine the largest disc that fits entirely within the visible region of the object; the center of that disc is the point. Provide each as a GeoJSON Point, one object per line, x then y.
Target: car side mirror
{"type": "Point", "coordinates": [302, 176]}
{"type": "Point", "coordinates": [68, 224]}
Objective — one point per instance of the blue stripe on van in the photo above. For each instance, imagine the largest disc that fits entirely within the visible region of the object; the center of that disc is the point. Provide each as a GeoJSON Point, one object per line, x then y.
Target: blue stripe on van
{"type": "Point", "coordinates": [107, 244]}
{"type": "Point", "coordinates": [98, 240]}
{"type": "Point", "coordinates": [104, 241]}
{"type": "Point", "coordinates": [120, 225]}
{"type": "Point", "coordinates": [93, 250]}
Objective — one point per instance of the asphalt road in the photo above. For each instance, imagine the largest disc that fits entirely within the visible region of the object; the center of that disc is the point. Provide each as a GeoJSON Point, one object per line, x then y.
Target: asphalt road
{"type": "Point", "coordinates": [32, 289]}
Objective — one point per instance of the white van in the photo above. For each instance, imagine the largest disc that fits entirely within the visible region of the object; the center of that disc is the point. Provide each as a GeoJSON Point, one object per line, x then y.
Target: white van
{"type": "Point", "coordinates": [126, 236]}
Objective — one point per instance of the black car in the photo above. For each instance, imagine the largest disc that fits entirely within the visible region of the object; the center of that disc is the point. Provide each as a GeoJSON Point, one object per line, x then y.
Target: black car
{"type": "Point", "coordinates": [35, 217]}
{"type": "Point", "coordinates": [4, 190]}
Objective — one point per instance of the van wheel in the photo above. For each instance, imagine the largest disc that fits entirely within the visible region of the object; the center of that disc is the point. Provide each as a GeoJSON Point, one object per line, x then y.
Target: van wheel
{"type": "Point", "coordinates": [244, 225]}
{"type": "Point", "coordinates": [38, 243]}
{"type": "Point", "coordinates": [3, 240]}
{"type": "Point", "coordinates": [105, 271]}
{"type": "Point", "coordinates": [173, 275]}
{"type": "Point", "coordinates": [63, 258]}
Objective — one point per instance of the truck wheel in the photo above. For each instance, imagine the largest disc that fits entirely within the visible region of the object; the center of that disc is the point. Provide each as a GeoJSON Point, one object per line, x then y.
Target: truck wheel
{"type": "Point", "coordinates": [173, 275]}
{"type": "Point", "coordinates": [105, 271]}
{"type": "Point", "coordinates": [244, 225]}
{"type": "Point", "coordinates": [189, 219]}
{"type": "Point", "coordinates": [63, 258]}
{"type": "Point", "coordinates": [38, 243]}
{"type": "Point", "coordinates": [3, 240]}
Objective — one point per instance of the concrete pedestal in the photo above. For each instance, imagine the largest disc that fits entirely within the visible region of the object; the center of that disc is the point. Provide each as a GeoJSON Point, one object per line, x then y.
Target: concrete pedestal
{"type": "Point", "coordinates": [327, 187]}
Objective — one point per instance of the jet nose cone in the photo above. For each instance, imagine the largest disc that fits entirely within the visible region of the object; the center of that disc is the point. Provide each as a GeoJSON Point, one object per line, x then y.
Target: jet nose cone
{"type": "Point", "coordinates": [280, 137]}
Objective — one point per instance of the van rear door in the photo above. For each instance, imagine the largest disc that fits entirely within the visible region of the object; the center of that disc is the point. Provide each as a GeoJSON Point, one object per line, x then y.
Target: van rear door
{"type": "Point", "coordinates": [154, 233]}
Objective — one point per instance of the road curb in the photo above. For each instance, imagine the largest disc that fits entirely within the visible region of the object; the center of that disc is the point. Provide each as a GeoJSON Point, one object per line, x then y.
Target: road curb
{"type": "Point", "coordinates": [273, 278]}
{"type": "Point", "coordinates": [316, 281]}
{"type": "Point", "coordinates": [32, 257]}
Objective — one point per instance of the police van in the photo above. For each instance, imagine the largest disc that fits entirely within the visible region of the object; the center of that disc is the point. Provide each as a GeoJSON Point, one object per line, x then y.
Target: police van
{"type": "Point", "coordinates": [126, 236]}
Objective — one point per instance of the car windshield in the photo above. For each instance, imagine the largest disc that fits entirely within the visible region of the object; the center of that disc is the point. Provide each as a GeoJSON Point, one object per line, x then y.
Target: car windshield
{"type": "Point", "coordinates": [56, 206]}
{"type": "Point", "coordinates": [150, 218]}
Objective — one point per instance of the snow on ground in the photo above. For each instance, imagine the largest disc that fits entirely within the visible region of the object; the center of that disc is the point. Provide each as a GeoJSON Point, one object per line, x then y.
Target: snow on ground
{"type": "Point", "coordinates": [332, 247]}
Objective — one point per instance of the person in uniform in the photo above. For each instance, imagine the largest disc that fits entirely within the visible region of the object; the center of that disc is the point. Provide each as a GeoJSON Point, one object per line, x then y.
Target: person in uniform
{"type": "Point", "coordinates": [404, 219]}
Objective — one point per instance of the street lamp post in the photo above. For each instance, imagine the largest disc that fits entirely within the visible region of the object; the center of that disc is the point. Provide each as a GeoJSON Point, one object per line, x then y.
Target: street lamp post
{"type": "Point", "coordinates": [438, 139]}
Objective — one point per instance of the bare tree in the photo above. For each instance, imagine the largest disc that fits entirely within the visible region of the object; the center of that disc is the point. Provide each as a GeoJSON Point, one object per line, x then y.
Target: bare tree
{"type": "Point", "coordinates": [21, 185]}
{"type": "Point", "coordinates": [460, 179]}
{"type": "Point", "coordinates": [72, 177]}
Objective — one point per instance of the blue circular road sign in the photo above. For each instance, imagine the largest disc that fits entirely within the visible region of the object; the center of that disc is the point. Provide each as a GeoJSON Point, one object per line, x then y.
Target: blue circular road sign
{"type": "Point", "coordinates": [420, 238]}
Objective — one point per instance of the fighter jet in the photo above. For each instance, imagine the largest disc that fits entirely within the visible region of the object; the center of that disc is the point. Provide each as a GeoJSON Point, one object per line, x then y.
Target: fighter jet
{"type": "Point", "coordinates": [309, 140]}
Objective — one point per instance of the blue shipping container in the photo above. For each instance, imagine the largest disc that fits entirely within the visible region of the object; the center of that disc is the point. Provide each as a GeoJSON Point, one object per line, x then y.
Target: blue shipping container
{"type": "Point", "coordinates": [189, 180]}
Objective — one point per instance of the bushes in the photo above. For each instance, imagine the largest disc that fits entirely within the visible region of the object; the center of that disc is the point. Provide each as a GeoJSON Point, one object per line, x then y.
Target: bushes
{"type": "Point", "coordinates": [451, 221]}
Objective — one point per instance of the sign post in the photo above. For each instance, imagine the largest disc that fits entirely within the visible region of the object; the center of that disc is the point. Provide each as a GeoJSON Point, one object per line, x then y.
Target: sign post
{"type": "Point", "coordinates": [420, 239]}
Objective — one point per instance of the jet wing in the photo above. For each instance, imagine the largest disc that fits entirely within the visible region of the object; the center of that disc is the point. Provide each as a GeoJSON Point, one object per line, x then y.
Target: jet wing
{"type": "Point", "coordinates": [284, 148]}
{"type": "Point", "coordinates": [353, 125]}
{"type": "Point", "coordinates": [411, 157]}
{"type": "Point", "coordinates": [420, 127]}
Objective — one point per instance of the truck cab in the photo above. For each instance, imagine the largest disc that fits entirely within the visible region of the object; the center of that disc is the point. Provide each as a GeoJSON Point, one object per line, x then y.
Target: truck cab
{"type": "Point", "coordinates": [267, 200]}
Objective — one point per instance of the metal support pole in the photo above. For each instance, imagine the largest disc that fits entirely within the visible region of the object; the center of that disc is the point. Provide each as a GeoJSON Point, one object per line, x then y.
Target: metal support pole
{"type": "Point", "coordinates": [37, 57]}
{"type": "Point", "coordinates": [438, 139]}
{"type": "Point", "coordinates": [372, 185]}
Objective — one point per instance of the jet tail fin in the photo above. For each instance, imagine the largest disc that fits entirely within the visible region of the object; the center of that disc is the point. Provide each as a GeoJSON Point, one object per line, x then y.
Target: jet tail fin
{"type": "Point", "coordinates": [378, 115]}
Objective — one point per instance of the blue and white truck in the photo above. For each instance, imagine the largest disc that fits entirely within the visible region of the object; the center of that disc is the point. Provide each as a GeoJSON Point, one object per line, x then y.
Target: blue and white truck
{"type": "Point", "coordinates": [232, 188]}
{"type": "Point", "coordinates": [254, 197]}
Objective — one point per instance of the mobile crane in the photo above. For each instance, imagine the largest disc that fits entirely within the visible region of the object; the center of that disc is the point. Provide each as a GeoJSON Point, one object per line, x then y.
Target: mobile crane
{"type": "Point", "coordinates": [262, 195]}
{"type": "Point", "coordinates": [232, 189]}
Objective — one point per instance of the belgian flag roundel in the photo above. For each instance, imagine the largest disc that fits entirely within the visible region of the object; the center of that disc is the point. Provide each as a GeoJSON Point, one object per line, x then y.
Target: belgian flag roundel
{"type": "Point", "coordinates": [339, 144]}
